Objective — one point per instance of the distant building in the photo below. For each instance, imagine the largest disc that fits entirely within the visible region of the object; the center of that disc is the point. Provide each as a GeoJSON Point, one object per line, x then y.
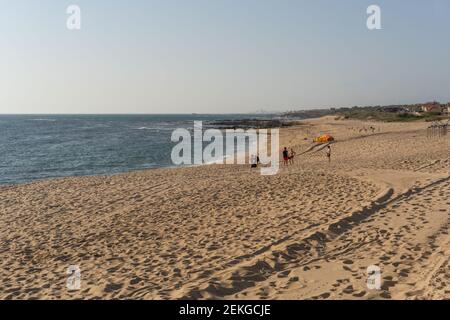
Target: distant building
{"type": "Point", "coordinates": [433, 107]}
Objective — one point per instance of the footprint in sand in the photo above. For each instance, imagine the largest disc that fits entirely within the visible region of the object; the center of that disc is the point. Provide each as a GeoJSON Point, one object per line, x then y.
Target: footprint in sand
{"type": "Point", "coordinates": [348, 290]}
{"type": "Point", "coordinates": [347, 268]}
{"type": "Point", "coordinates": [359, 294]}
{"type": "Point", "coordinates": [110, 287]}
{"type": "Point", "coordinates": [325, 295]}
{"type": "Point", "coordinates": [284, 274]}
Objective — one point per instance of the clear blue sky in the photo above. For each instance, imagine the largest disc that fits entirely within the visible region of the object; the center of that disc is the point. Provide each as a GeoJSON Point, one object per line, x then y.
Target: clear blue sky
{"type": "Point", "coordinates": [220, 56]}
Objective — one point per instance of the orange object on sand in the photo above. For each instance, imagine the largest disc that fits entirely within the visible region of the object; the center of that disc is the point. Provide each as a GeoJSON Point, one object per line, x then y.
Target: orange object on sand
{"type": "Point", "coordinates": [324, 138]}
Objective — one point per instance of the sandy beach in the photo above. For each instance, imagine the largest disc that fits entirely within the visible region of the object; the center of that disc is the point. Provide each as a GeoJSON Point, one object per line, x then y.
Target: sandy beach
{"type": "Point", "coordinates": [227, 232]}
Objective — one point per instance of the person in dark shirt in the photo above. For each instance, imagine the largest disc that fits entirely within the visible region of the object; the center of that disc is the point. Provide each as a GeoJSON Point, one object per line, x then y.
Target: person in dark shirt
{"type": "Point", "coordinates": [285, 156]}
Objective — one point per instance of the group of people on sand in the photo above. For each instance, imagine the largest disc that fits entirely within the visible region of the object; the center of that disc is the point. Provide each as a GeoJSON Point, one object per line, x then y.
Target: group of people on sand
{"type": "Point", "coordinates": [288, 156]}
{"type": "Point", "coordinates": [365, 129]}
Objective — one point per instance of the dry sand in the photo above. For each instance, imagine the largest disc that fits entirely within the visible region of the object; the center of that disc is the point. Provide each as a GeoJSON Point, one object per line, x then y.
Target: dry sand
{"type": "Point", "coordinates": [226, 232]}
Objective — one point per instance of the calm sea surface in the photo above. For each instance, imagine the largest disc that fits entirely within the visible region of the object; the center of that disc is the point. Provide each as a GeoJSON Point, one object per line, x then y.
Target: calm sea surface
{"type": "Point", "coordinates": [46, 146]}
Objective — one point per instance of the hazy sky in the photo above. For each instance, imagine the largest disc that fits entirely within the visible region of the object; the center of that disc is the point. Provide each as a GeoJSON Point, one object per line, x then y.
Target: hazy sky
{"type": "Point", "coordinates": [220, 56]}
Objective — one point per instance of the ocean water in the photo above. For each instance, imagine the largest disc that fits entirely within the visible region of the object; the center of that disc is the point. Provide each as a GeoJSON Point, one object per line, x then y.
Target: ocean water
{"type": "Point", "coordinates": [36, 147]}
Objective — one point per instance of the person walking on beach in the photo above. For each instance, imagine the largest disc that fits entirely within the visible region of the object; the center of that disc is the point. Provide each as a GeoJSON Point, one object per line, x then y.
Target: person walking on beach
{"type": "Point", "coordinates": [291, 156]}
{"type": "Point", "coordinates": [285, 156]}
{"type": "Point", "coordinates": [329, 154]}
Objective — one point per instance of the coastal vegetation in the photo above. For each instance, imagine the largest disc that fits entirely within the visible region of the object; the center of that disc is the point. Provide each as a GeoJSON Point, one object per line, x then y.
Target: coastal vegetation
{"type": "Point", "coordinates": [432, 111]}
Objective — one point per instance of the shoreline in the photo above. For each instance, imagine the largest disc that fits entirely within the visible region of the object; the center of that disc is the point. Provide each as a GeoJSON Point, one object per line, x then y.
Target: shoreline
{"type": "Point", "coordinates": [238, 155]}
{"type": "Point", "coordinates": [299, 124]}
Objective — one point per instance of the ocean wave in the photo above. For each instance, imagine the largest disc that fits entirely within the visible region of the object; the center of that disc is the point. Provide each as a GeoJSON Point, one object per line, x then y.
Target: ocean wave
{"type": "Point", "coordinates": [145, 128]}
{"type": "Point", "coordinates": [158, 129]}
